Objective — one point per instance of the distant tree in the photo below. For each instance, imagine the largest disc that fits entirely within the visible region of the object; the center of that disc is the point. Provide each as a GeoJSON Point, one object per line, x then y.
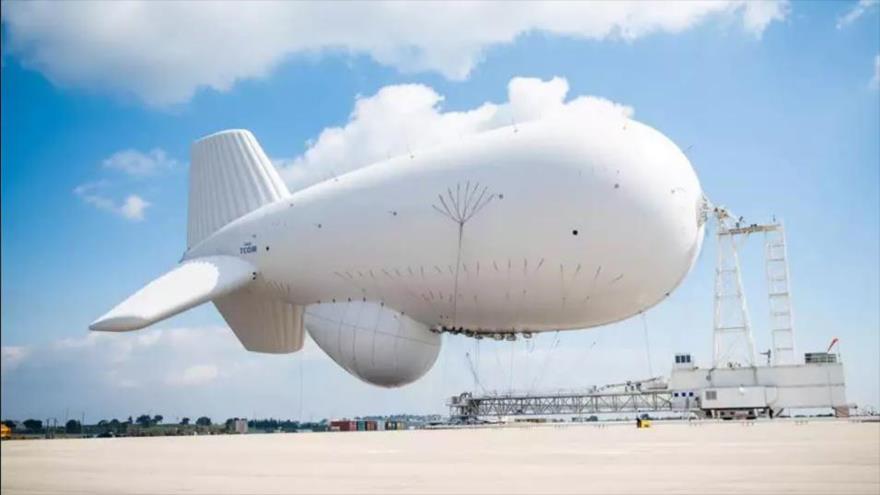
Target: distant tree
{"type": "Point", "coordinates": [129, 420]}
{"type": "Point", "coordinates": [184, 421]}
{"type": "Point", "coordinates": [144, 420]}
{"type": "Point", "coordinates": [204, 421]}
{"type": "Point", "coordinates": [73, 426]}
{"type": "Point", "coordinates": [103, 423]}
{"type": "Point", "coordinates": [10, 423]}
{"type": "Point", "coordinates": [157, 419]}
{"type": "Point", "coordinates": [116, 426]}
{"type": "Point", "coordinates": [230, 423]}
{"type": "Point", "coordinates": [33, 425]}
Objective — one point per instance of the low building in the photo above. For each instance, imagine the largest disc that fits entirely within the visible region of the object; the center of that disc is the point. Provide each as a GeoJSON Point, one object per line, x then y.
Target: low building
{"type": "Point", "coordinates": [240, 425]}
{"type": "Point", "coordinates": [719, 392]}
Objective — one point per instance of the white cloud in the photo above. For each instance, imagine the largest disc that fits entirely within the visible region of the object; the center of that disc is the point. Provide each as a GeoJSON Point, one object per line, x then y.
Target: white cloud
{"type": "Point", "coordinates": [193, 371]}
{"type": "Point", "coordinates": [199, 374]}
{"type": "Point", "coordinates": [857, 11]}
{"type": "Point", "coordinates": [131, 208]}
{"type": "Point", "coordinates": [138, 164]}
{"type": "Point", "coordinates": [162, 53]}
{"type": "Point", "coordinates": [757, 15]}
{"type": "Point", "coordinates": [404, 118]}
{"type": "Point", "coordinates": [11, 357]}
{"type": "Point", "coordinates": [875, 80]}
{"type": "Point", "coordinates": [134, 164]}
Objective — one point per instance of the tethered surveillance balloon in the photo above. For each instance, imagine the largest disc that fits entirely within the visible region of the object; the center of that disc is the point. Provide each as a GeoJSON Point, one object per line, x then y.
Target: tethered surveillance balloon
{"type": "Point", "coordinates": [551, 225]}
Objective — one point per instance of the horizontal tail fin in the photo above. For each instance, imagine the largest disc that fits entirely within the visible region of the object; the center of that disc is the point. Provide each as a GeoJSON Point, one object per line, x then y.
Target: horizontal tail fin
{"type": "Point", "coordinates": [191, 283]}
{"type": "Point", "coordinates": [229, 176]}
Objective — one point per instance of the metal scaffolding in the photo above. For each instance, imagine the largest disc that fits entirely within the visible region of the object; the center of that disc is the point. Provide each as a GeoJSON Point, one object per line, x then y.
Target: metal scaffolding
{"type": "Point", "coordinates": [734, 344]}
{"type": "Point", "coordinates": [467, 407]}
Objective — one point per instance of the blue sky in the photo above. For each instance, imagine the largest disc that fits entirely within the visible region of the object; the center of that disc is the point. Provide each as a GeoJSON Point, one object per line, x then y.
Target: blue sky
{"type": "Point", "coordinates": [776, 104]}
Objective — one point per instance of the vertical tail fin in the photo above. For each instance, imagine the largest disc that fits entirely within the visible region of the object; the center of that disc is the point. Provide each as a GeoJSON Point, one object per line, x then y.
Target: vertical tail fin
{"type": "Point", "coordinates": [229, 176]}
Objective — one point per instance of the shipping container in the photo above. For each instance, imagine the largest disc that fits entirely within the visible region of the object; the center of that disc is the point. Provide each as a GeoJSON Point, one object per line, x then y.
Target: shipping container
{"type": "Point", "coordinates": [343, 425]}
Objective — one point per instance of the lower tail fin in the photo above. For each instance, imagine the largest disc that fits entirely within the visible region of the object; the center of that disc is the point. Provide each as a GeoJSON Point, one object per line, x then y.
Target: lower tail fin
{"type": "Point", "coordinates": [229, 176]}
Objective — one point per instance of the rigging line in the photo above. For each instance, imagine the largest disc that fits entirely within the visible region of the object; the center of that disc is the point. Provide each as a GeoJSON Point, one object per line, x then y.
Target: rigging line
{"type": "Point", "coordinates": [477, 360]}
{"type": "Point", "coordinates": [458, 203]}
{"type": "Point", "coordinates": [301, 381]}
{"type": "Point", "coordinates": [480, 204]}
{"type": "Point", "coordinates": [454, 202]}
{"type": "Point", "coordinates": [455, 283]}
{"type": "Point", "coordinates": [471, 193]}
{"type": "Point", "coordinates": [502, 370]}
{"type": "Point", "coordinates": [465, 198]}
{"type": "Point", "coordinates": [510, 376]}
{"type": "Point", "coordinates": [580, 359]}
{"type": "Point", "coordinates": [446, 207]}
{"type": "Point", "coordinates": [474, 373]}
{"type": "Point", "coordinates": [543, 367]}
{"type": "Point", "coordinates": [474, 200]}
{"type": "Point", "coordinates": [442, 212]}
{"type": "Point", "coordinates": [647, 344]}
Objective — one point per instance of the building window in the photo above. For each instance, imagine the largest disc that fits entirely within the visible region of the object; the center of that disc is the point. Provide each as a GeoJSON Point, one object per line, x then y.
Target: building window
{"type": "Point", "coordinates": [711, 395]}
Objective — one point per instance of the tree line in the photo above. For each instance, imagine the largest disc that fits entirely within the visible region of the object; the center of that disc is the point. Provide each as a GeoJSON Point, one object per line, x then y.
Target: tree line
{"type": "Point", "coordinates": [145, 421]}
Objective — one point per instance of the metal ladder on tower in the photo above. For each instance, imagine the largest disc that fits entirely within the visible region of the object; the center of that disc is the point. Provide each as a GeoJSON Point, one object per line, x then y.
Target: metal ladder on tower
{"type": "Point", "coordinates": [781, 319]}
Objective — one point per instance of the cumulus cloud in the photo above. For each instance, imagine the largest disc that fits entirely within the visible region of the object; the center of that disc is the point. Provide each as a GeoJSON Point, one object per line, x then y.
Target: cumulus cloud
{"type": "Point", "coordinates": [857, 11]}
{"type": "Point", "coordinates": [195, 375]}
{"type": "Point", "coordinates": [11, 356]}
{"type": "Point", "coordinates": [402, 118]}
{"type": "Point", "coordinates": [194, 371]}
{"type": "Point", "coordinates": [135, 165]}
{"type": "Point", "coordinates": [138, 164]}
{"type": "Point", "coordinates": [131, 208]}
{"type": "Point", "coordinates": [164, 52]}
